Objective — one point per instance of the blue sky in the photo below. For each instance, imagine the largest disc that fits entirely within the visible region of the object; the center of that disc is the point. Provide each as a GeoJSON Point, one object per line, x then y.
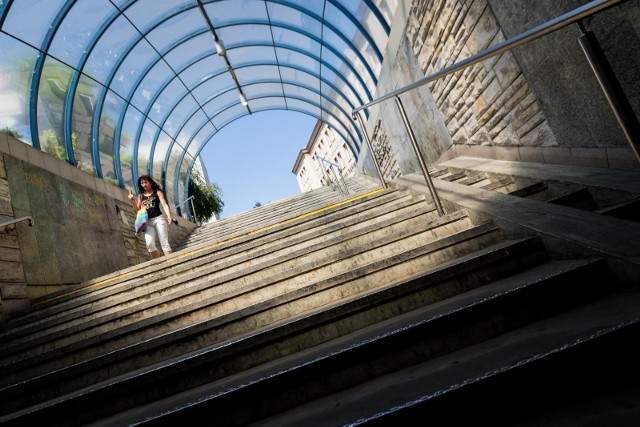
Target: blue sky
{"type": "Point", "coordinates": [251, 159]}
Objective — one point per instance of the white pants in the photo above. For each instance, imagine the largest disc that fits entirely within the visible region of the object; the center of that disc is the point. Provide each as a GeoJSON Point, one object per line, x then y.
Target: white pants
{"type": "Point", "coordinates": [157, 227]}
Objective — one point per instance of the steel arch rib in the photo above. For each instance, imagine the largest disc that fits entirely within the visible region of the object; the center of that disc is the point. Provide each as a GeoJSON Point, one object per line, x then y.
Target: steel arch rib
{"type": "Point", "coordinates": [315, 105]}
{"type": "Point", "coordinates": [37, 74]}
{"type": "Point", "coordinates": [181, 10]}
{"type": "Point", "coordinates": [283, 46]}
{"type": "Point", "coordinates": [190, 167]}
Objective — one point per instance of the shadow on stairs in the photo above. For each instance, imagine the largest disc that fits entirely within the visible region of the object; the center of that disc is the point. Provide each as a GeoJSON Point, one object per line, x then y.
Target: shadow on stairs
{"type": "Point", "coordinates": [370, 310]}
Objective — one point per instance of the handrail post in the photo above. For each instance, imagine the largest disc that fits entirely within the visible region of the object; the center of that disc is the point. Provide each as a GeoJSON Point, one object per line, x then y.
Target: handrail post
{"type": "Point", "coordinates": [423, 166]}
{"type": "Point", "coordinates": [611, 87]}
{"type": "Point", "coordinates": [193, 209]}
{"type": "Point", "coordinates": [366, 137]}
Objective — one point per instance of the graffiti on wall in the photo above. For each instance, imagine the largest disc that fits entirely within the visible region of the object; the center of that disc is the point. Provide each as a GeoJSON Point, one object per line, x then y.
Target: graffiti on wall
{"type": "Point", "coordinates": [382, 152]}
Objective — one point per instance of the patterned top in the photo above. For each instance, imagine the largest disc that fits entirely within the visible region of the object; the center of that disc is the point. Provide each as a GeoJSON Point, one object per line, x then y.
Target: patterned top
{"type": "Point", "coordinates": [152, 203]}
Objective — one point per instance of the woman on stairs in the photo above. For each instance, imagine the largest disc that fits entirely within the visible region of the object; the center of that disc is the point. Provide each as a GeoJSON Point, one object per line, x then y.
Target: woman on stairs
{"type": "Point", "coordinates": [151, 196]}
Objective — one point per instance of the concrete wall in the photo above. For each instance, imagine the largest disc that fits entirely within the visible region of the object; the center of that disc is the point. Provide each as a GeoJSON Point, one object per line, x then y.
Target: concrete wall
{"type": "Point", "coordinates": [82, 226]}
{"type": "Point", "coordinates": [539, 103]}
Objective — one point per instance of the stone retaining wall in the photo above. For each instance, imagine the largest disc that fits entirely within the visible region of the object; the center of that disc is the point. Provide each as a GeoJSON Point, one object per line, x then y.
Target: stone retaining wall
{"type": "Point", "coordinates": [82, 226]}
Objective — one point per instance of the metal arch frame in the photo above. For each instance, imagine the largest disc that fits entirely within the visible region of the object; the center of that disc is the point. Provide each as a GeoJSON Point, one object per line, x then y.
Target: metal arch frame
{"type": "Point", "coordinates": [299, 98]}
{"type": "Point", "coordinates": [330, 84]}
{"type": "Point", "coordinates": [190, 167]}
{"type": "Point", "coordinates": [188, 37]}
{"type": "Point", "coordinates": [37, 74]}
{"type": "Point", "coordinates": [349, 16]}
{"type": "Point", "coordinates": [353, 140]}
{"type": "Point", "coordinates": [72, 92]}
{"type": "Point", "coordinates": [183, 39]}
{"type": "Point", "coordinates": [4, 9]}
{"type": "Point", "coordinates": [283, 46]}
{"type": "Point", "coordinates": [376, 12]}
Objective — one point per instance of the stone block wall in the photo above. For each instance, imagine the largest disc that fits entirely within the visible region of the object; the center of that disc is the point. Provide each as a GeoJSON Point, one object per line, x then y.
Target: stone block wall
{"type": "Point", "coordinates": [540, 102]}
{"type": "Point", "coordinates": [82, 226]}
{"type": "Point", "coordinates": [489, 103]}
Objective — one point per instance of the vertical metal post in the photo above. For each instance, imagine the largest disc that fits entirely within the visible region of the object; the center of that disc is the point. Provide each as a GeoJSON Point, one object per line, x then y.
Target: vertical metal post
{"type": "Point", "coordinates": [423, 166]}
{"type": "Point", "coordinates": [366, 137]}
{"type": "Point", "coordinates": [611, 88]}
{"type": "Point", "coordinates": [344, 183]}
{"type": "Point", "coordinates": [193, 209]}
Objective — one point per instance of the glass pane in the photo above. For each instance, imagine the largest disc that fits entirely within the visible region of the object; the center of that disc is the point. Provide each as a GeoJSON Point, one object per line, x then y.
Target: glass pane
{"type": "Point", "coordinates": [190, 128]}
{"type": "Point", "coordinates": [170, 175]}
{"type": "Point", "coordinates": [287, 16]}
{"type": "Point", "coordinates": [213, 87]}
{"type": "Point", "coordinates": [205, 133]}
{"type": "Point", "coordinates": [109, 49]}
{"type": "Point", "coordinates": [16, 67]}
{"type": "Point", "coordinates": [52, 93]}
{"type": "Point", "coordinates": [146, 13]}
{"type": "Point", "coordinates": [159, 153]}
{"type": "Point", "coordinates": [29, 20]}
{"type": "Point", "coordinates": [149, 131]}
{"type": "Point", "coordinates": [139, 59]}
{"type": "Point", "coordinates": [79, 28]}
{"type": "Point", "coordinates": [82, 123]}
{"type": "Point", "coordinates": [132, 121]}
{"type": "Point", "coordinates": [228, 115]}
{"type": "Point", "coordinates": [159, 75]}
{"type": "Point", "coordinates": [183, 110]}
{"type": "Point", "coordinates": [170, 95]}
{"type": "Point", "coordinates": [286, 37]}
{"type": "Point", "coordinates": [110, 113]}
{"type": "Point", "coordinates": [223, 12]}
{"type": "Point", "coordinates": [171, 30]}
{"type": "Point", "coordinates": [203, 69]}
{"type": "Point", "coordinates": [189, 51]}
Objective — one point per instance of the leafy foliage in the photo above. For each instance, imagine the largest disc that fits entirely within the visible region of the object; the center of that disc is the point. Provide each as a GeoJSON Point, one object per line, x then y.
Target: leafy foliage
{"type": "Point", "coordinates": [10, 132]}
{"type": "Point", "coordinates": [207, 198]}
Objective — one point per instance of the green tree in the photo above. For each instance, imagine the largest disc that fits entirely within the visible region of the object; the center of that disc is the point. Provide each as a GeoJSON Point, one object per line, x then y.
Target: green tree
{"type": "Point", "coordinates": [207, 198]}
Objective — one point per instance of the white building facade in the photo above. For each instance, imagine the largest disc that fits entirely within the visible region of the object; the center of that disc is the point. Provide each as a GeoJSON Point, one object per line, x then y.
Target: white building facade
{"type": "Point", "coordinates": [324, 160]}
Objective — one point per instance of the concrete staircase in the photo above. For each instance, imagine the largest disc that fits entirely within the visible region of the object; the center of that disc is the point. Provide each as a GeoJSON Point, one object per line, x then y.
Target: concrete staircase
{"type": "Point", "coordinates": [329, 309]}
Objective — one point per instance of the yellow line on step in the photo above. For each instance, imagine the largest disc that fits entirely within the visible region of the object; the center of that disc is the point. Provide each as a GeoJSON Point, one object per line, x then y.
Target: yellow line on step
{"type": "Point", "coordinates": [213, 245]}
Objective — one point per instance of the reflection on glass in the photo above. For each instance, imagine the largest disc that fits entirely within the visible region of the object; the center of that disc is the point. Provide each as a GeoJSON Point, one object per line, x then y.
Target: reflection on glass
{"type": "Point", "coordinates": [16, 66]}
{"type": "Point", "coordinates": [52, 93]}
{"type": "Point", "coordinates": [110, 113]}
{"type": "Point", "coordinates": [82, 122]}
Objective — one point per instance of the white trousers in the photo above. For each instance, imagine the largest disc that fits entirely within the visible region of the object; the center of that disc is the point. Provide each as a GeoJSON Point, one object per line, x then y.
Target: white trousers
{"type": "Point", "coordinates": [157, 227]}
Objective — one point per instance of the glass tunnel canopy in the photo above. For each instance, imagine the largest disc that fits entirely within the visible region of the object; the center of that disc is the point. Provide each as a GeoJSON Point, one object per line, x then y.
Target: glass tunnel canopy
{"type": "Point", "coordinates": [122, 88]}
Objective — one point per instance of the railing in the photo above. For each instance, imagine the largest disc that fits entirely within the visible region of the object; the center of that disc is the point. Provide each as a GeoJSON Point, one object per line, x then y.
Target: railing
{"type": "Point", "coordinates": [7, 226]}
{"type": "Point", "coordinates": [193, 208]}
{"type": "Point", "coordinates": [339, 178]}
{"type": "Point", "coordinates": [608, 82]}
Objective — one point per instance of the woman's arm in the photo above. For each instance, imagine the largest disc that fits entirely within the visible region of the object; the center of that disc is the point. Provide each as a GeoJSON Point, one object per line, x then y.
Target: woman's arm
{"type": "Point", "coordinates": [133, 202]}
{"type": "Point", "coordinates": [165, 206]}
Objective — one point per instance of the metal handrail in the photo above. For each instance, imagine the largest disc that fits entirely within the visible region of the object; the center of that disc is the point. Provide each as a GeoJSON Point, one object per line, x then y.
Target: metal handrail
{"type": "Point", "coordinates": [342, 185]}
{"type": "Point", "coordinates": [620, 106]}
{"type": "Point", "coordinates": [530, 35]}
{"type": "Point", "coordinates": [4, 225]}
{"type": "Point", "coordinates": [193, 208]}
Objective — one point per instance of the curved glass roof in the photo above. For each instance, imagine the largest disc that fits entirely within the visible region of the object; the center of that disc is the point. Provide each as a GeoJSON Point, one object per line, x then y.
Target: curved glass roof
{"type": "Point", "coordinates": [123, 88]}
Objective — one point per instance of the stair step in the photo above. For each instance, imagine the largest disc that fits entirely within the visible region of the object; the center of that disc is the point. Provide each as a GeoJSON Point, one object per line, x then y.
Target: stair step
{"type": "Point", "coordinates": [469, 272]}
{"type": "Point", "coordinates": [422, 336]}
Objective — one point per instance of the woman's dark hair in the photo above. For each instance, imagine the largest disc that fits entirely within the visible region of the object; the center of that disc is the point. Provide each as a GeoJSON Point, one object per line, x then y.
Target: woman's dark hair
{"type": "Point", "coordinates": [154, 185]}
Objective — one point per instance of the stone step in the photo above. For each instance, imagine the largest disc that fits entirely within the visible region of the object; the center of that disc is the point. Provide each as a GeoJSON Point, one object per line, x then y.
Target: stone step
{"type": "Point", "coordinates": [362, 209]}
{"type": "Point", "coordinates": [195, 276]}
{"type": "Point", "coordinates": [256, 289]}
{"type": "Point", "coordinates": [350, 314]}
{"type": "Point", "coordinates": [277, 211]}
{"type": "Point", "coordinates": [554, 357]}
